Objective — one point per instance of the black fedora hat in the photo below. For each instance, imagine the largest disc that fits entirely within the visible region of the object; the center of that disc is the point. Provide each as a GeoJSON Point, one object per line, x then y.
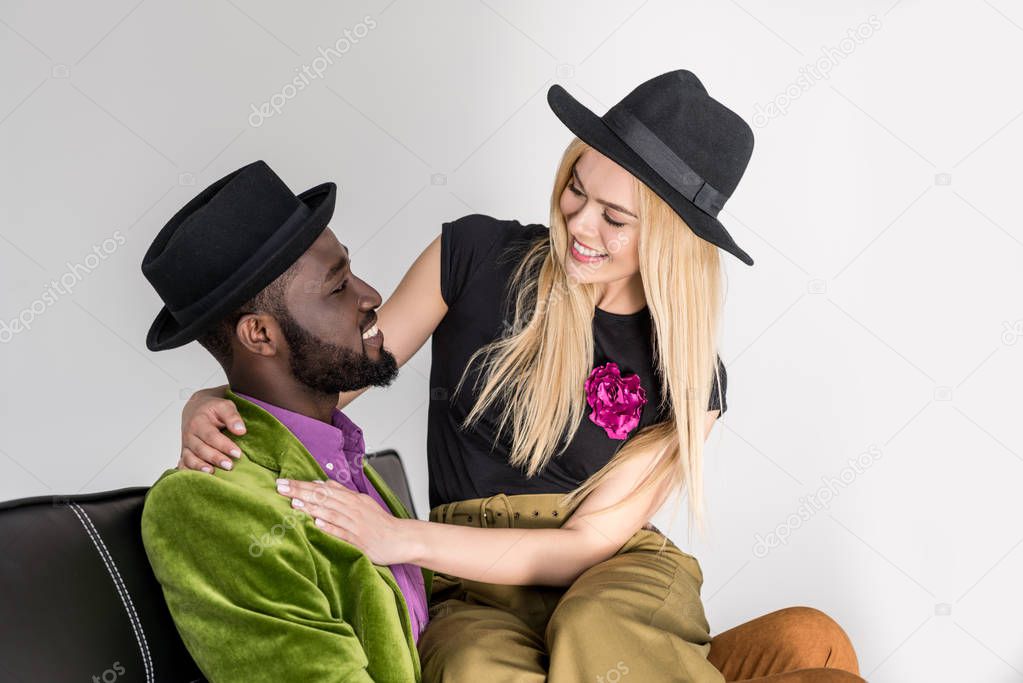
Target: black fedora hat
{"type": "Point", "coordinates": [683, 144]}
{"type": "Point", "coordinates": [226, 245]}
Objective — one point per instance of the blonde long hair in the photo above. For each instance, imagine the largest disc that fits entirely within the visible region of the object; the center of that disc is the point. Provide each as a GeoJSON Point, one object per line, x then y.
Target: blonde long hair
{"type": "Point", "coordinates": [536, 371]}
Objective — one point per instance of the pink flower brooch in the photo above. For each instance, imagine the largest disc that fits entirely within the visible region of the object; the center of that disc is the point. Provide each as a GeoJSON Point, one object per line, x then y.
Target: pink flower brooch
{"type": "Point", "coordinates": [617, 401]}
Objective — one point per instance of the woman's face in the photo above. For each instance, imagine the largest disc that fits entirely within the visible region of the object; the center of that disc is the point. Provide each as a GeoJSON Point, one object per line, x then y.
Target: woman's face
{"type": "Point", "coordinates": [600, 208]}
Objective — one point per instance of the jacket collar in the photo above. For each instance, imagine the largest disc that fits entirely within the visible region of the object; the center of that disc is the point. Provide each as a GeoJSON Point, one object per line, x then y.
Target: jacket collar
{"type": "Point", "coordinates": [282, 452]}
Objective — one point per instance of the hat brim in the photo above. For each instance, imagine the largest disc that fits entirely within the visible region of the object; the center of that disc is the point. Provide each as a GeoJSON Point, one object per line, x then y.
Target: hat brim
{"type": "Point", "coordinates": [167, 333]}
{"type": "Point", "coordinates": [589, 128]}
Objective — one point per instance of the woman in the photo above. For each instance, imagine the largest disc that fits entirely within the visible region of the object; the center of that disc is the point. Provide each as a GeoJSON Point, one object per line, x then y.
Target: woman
{"type": "Point", "coordinates": [575, 378]}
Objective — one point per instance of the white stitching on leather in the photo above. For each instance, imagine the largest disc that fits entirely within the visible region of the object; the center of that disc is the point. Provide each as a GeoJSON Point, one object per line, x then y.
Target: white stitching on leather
{"type": "Point", "coordinates": [122, 591]}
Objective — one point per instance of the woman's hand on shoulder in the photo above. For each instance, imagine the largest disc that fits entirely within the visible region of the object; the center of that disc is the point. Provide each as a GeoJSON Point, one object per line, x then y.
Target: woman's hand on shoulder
{"type": "Point", "coordinates": [203, 445]}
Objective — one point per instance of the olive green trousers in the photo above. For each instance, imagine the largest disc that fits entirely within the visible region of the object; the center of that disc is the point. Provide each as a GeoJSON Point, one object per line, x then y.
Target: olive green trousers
{"type": "Point", "coordinates": [637, 616]}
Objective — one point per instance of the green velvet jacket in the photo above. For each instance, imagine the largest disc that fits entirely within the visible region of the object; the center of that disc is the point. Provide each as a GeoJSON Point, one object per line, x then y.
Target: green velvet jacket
{"type": "Point", "coordinates": [258, 592]}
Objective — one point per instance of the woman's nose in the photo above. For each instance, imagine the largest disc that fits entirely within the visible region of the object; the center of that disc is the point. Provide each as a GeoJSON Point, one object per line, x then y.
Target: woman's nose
{"type": "Point", "coordinates": [587, 219]}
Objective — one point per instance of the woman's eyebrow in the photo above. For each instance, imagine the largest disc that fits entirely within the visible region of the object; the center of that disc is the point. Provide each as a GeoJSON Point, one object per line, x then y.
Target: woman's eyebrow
{"type": "Point", "coordinates": [609, 205]}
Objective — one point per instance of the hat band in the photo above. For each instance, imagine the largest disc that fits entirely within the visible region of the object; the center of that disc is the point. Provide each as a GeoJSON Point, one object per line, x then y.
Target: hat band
{"type": "Point", "coordinates": [188, 314]}
{"type": "Point", "coordinates": [664, 161]}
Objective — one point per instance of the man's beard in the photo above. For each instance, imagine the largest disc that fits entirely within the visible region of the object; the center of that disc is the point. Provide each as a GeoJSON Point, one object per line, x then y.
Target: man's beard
{"type": "Point", "coordinates": [330, 369]}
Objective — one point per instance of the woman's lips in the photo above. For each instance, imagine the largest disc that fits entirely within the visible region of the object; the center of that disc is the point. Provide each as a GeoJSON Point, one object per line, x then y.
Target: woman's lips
{"type": "Point", "coordinates": [584, 258]}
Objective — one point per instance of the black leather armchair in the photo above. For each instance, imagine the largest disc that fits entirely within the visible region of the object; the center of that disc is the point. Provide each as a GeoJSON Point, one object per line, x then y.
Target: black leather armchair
{"type": "Point", "coordinates": [78, 601]}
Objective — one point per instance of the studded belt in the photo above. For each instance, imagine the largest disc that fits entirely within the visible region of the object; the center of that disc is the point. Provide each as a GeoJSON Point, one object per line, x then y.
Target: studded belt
{"type": "Point", "coordinates": [524, 511]}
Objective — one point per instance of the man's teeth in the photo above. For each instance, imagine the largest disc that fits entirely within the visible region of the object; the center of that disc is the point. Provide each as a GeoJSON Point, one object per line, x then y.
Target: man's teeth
{"type": "Point", "coordinates": [586, 251]}
{"type": "Point", "coordinates": [370, 333]}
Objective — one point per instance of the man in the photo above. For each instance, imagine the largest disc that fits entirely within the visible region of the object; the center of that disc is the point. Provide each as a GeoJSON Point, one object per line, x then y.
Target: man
{"type": "Point", "coordinates": [256, 589]}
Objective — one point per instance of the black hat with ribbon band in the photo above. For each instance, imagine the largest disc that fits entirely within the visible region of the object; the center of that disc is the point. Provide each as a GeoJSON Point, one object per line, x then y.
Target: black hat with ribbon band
{"type": "Point", "coordinates": [687, 147]}
{"type": "Point", "coordinates": [226, 245]}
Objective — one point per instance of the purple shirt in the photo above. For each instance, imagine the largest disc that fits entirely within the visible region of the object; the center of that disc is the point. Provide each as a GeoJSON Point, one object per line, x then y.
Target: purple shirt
{"type": "Point", "coordinates": [339, 448]}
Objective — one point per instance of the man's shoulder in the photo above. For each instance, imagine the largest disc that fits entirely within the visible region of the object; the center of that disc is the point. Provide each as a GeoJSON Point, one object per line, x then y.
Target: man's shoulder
{"type": "Point", "coordinates": [182, 488]}
{"type": "Point", "coordinates": [197, 520]}
{"type": "Point", "coordinates": [211, 503]}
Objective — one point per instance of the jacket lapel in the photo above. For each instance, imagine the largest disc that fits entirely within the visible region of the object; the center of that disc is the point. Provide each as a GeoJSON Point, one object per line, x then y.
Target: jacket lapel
{"type": "Point", "coordinates": [398, 510]}
{"type": "Point", "coordinates": [278, 450]}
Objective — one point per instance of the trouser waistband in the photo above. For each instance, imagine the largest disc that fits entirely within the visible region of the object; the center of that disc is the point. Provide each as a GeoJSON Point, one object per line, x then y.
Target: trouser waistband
{"type": "Point", "coordinates": [524, 511]}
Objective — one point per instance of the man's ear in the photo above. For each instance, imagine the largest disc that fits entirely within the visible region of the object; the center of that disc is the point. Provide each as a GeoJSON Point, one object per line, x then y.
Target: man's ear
{"type": "Point", "coordinates": [259, 334]}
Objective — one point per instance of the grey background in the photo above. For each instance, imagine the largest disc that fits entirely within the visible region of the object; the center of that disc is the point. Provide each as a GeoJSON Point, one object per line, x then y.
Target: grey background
{"type": "Point", "coordinates": [883, 315]}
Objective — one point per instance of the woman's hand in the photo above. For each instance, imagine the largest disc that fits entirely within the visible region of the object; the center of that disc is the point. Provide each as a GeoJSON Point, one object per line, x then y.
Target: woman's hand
{"type": "Point", "coordinates": [355, 518]}
{"type": "Point", "coordinates": [203, 445]}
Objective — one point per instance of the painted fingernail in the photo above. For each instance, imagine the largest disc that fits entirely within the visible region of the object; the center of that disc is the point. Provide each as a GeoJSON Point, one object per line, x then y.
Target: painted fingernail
{"type": "Point", "coordinates": [239, 427]}
{"type": "Point", "coordinates": [283, 487]}
{"type": "Point", "coordinates": [236, 453]}
{"type": "Point", "coordinates": [318, 522]}
{"type": "Point", "coordinates": [226, 464]}
{"type": "Point", "coordinates": [207, 470]}
{"type": "Point", "coordinates": [295, 502]}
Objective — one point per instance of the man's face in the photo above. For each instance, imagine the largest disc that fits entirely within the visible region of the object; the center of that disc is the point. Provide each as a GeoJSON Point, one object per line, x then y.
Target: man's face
{"type": "Point", "coordinates": [330, 323]}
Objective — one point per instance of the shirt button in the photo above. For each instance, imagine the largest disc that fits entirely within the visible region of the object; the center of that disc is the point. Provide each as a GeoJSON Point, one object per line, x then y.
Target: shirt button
{"type": "Point", "coordinates": [330, 465]}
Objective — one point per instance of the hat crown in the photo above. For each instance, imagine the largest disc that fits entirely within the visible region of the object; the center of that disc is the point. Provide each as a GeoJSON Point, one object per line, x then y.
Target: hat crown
{"type": "Point", "coordinates": [216, 233]}
{"type": "Point", "coordinates": [710, 138]}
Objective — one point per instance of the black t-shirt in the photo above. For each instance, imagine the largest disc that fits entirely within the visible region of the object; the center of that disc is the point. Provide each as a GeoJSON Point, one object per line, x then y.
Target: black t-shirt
{"type": "Point", "coordinates": [479, 254]}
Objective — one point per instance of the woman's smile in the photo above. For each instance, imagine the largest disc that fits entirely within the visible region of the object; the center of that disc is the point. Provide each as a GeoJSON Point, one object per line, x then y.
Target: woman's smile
{"type": "Point", "coordinates": [585, 254]}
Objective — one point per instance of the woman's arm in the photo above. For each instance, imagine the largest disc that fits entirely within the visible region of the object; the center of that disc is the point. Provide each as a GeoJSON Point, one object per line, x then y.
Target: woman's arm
{"type": "Point", "coordinates": [553, 557]}
{"type": "Point", "coordinates": [407, 318]}
{"type": "Point", "coordinates": [412, 312]}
